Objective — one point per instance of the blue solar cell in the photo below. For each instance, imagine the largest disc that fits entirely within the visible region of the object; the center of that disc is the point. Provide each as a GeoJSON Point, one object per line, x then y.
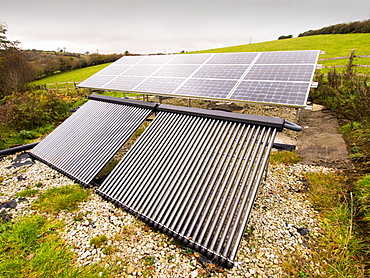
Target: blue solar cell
{"type": "Point", "coordinates": [142, 70]}
{"type": "Point", "coordinates": [221, 71]}
{"type": "Point", "coordinates": [280, 73]}
{"type": "Point", "coordinates": [159, 85]}
{"type": "Point", "coordinates": [272, 92]}
{"type": "Point", "coordinates": [288, 57]}
{"type": "Point", "coordinates": [176, 70]}
{"type": "Point", "coordinates": [207, 88]}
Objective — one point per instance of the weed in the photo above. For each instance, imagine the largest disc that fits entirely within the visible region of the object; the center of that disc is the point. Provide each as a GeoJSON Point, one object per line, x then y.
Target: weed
{"type": "Point", "coordinates": [61, 198]}
{"type": "Point", "coordinates": [362, 197]}
{"type": "Point", "coordinates": [356, 149]}
{"type": "Point", "coordinates": [30, 247]}
{"type": "Point", "coordinates": [170, 258]}
{"type": "Point", "coordinates": [108, 250]}
{"type": "Point", "coordinates": [149, 260]}
{"type": "Point", "coordinates": [303, 274]}
{"type": "Point", "coordinates": [285, 157]}
{"type": "Point", "coordinates": [356, 156]}
{"type": "Point", "coordinates": [349, 127]}
{"type": "Point", "coordinates": [39, 184]}
{"type": "Point", "coordinates": [78, 217]}
{"type": "Point", "coordinates": [338, 245]}
{"type": "Point", "coordinates": [27, 193]}
{"type": "Point", "coordinates": [28, 134]}
{"type": "Point", "coordinates": [98, 241]}
{"type": "Point", "coordinates": [187, 251]}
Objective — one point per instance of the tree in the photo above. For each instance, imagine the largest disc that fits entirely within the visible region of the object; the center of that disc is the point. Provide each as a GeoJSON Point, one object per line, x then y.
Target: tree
{"type": "Point", "coordinates": [285, 37]}
{"type": "Point", "coordinates": [15, 70]}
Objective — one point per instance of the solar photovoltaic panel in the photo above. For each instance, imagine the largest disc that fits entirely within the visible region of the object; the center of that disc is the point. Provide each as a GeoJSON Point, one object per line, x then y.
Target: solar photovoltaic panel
{"type": "Point", "coordinates": [276, 78]}
{"type": "Point", "coordinates": [297, 73]}
{"type": "Point", "coordinates": [159, 85]}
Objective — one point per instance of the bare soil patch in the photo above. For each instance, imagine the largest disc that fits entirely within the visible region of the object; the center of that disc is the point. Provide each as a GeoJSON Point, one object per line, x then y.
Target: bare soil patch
{"type": "Point", "coordinates": [320, 143]}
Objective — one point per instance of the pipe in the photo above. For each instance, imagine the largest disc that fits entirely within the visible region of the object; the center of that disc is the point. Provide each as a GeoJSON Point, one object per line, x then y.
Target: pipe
{"type": "Point", "coordinates": [18, 149]}
{"type": "Point", "coordinates": [292, 126]}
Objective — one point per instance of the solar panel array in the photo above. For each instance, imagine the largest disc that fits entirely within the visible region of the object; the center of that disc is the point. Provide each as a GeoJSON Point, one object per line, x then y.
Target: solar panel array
{"type": "Point", "coordinates": [277, 78]}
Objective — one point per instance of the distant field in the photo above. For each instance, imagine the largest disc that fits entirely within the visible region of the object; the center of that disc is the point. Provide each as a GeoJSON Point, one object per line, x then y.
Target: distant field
{"type": "Point", "coordinates": [77, 75]}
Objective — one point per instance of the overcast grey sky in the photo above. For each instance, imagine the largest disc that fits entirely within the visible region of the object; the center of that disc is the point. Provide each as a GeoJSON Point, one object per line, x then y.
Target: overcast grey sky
{"type": "Point", "coordinates": [150, 26]}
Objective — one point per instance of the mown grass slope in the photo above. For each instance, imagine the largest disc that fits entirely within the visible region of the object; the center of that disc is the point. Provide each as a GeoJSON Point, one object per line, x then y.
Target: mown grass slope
{"type": "Point", "coordinates": [339, 45]}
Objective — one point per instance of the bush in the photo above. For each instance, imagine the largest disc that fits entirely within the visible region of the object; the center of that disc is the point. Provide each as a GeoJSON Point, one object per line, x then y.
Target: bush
{"type": "Point", "coordinates": [28, 115]}
{"type": "Point", "coordinates": [346, 94]}
{"type": "Point", "coordinates": [30, 110]}
{"type": "Point", "coordinates": [28, 134]}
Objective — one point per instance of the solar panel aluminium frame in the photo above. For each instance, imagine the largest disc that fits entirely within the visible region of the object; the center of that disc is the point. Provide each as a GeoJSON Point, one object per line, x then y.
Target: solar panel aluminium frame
{"type": "Point", "coordinates": [86, 141]}
{"type": "Point", "coordinates": [195, 176]}
{"type": "Point", "coordinates": [286, 76]}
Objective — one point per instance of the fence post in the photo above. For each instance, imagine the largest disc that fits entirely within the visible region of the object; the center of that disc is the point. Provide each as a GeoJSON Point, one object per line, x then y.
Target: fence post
{"type": "Point", "coordinates": [350, 61]}
{"type": "Point", "coordinates": [56, 85]}
{"type": "Point", "coordinates": [67, 86]}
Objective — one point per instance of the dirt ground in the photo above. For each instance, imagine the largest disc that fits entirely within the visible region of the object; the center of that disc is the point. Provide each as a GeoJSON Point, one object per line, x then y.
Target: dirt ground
{"type": "Point", "coordinates": [319, 142]}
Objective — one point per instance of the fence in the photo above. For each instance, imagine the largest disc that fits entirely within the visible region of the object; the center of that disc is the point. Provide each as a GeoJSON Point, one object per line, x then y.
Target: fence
{"type": "Point", "coordinates": [350, 65]}
{"type": "Point", "coordinates": [59, 86]}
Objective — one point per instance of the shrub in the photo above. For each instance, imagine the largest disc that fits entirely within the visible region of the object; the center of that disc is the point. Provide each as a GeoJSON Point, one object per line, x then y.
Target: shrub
{"type": "Point", "coordinates": [347, 95]}
{"type": "Point", "coordinates": [28, 115]}
{"type": "Point", "coordinates": [31, 110]}
{"type": "Point", "coordinates": [346, 128]}
{"type": "Point", "coordinates": [28, 134]}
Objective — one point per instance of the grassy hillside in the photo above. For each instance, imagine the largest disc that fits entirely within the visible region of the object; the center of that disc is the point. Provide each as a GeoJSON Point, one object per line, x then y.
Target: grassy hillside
{"type": "Point", "coordinates": [74, 75]}
{"type": "Point", "coordinates": [334, 45]}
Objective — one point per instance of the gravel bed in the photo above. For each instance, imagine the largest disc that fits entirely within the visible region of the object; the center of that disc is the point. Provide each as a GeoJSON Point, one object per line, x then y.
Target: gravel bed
{"type": "Point", "coordinates": [281, 225]}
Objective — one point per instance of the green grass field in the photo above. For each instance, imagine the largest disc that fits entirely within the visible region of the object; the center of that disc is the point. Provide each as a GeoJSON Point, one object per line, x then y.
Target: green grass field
{"type": "Point", "coordinates": [73, 75]}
